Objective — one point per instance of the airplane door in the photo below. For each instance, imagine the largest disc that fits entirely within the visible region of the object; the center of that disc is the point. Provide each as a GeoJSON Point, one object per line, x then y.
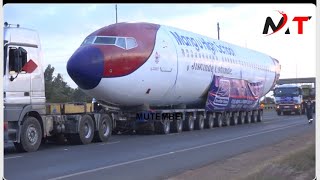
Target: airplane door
{"type": "Point", "coordinates": [166, 58]}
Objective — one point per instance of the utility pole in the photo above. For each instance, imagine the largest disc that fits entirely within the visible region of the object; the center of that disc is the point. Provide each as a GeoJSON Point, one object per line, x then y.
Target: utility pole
{"type": "Point", "coordinates": [218, 31]}
{"type": "Point", "coordinates": [116, 13]}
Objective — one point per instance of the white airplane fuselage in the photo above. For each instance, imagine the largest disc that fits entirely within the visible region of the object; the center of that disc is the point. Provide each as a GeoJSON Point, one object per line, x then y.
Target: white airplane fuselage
{"type": "Point", "coordinates": [178, 69]}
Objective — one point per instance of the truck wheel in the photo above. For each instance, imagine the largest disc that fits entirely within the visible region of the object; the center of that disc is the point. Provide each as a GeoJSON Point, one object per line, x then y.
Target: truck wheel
{"type": "Point", "coordinates": [253, 117]}
{"type": "Point", "coordinates": [241, 118]}
{"type": "Point", "coordinates": [259, 116]}
{"type": "Point", "coordinates": [279, 113]}
{"type": "Point", "coordinates": [86, 132]}
{"type": "Point", "coordinates": [162, 127]}
{"type": "Point", "coordinates": [31, 135]}
{"type": "Point", "coordinates": [209, 121]}
{"type": "Point", "coordinates": [227, 119]}
{"type": "Point", "coordinates": [105, 129]}
{"type": "Point", "coordinates": [218, 120]}
{"type": "Point", "coordinates": [234, 120]}
{"type": "Point", "coordinates": [199, 123]}
{"type": "Point", "coordinates": [247, 117]}
{"type": "Point", "coordinates": [189, 123]}
{"type": "Point", "coordinates": [176, 126]}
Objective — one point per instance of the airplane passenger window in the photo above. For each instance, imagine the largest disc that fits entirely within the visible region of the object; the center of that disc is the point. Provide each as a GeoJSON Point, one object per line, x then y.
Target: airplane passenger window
{"type": "Point", "coordinates": [121, 42]}
{"type": "Point", "coordinates": [191, 53]}
{"type": "Point", "coordinates": [131, 43]}
{"type": "Point", "coordinates": [187, 52]}
{"type": "Point", "coordinates": [196, 55]}
{"type": "Point", "coordinates": [183, 54]}
{"type": "Point", "coordinates": [207, 56]}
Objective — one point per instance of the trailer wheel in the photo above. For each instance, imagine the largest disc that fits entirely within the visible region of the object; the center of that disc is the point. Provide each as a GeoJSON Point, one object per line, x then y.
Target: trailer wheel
{"type": "Point", "coordinates": [86, 132]}
{"type": "Point", "coordinates": [259, 116]}
{"type": "Point", "coordinates": [253, 117]}
{"type": "Point", "coordinates": [234, 120]}
{"type": "Point", "coordinates": [218, 120]}
{"type": "Point", "coordinates": [189, 123]}
{"type": "Point", "coordinates": [227, 119]}
{"type": "Point", "coordinates": [247, 118]}
{"type": "Point", "coordinates": [31, 135]}
{"type": "Point", "coordinates": [105, 129]}
{"type": "Point", "coordinates": [241, 119]}
{"type": "Point", "coordinates": [199, 123]}
{"type": "Point", "coordinates": [176, 126]}
{"type": "Point", "coordinates": [163, 126]}
{"type": "Point", "coordinates": [209, 121]}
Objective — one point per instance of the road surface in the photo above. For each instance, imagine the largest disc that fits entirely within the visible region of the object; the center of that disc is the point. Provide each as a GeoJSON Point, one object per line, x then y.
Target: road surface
{"type": "Point", "coordinates": [149, 156]}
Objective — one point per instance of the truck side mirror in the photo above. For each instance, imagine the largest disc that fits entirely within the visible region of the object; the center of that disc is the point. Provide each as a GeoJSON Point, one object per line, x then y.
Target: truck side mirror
{"type": "Point", "coordinates": [17, 59]}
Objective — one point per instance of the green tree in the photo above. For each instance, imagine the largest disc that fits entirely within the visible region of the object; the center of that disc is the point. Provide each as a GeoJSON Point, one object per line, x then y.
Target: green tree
{"type": "Point", "coordinates": [58, 91]}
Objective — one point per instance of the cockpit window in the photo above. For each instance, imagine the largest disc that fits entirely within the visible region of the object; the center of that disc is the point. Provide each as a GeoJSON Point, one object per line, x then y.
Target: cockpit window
{"type": "Point", "coordinates": [131, 43]}
{"type": "Point", "coordinates": [88, 40]}
{"type": "Point", "coordinates": [121, 42]}
{"type": "Point", "coordinates": [105, 40]}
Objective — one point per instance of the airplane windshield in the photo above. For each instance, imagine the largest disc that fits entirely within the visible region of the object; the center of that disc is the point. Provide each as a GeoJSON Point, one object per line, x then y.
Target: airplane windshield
{"type": "Point", "coordinates": [286, 92]}
{"type": "Point", "coordinates": [121, 42]}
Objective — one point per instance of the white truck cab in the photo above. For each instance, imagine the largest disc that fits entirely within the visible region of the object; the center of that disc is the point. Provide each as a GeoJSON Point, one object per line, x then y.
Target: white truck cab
{"type": "Point", "coordinates": [23, 85]}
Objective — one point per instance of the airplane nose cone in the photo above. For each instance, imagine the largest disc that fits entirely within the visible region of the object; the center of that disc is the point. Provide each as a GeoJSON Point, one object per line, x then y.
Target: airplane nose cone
{"type": "Point", "coordinates": [85, 67]}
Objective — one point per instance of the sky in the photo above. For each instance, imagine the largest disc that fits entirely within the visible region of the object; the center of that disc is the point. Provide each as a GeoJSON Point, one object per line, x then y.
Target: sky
{"type": "Point", "coordinates": [63, 27]}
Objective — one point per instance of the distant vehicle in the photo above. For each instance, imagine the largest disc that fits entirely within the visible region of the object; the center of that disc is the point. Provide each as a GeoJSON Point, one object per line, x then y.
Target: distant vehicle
{"type": "Point", "coordinates": [133, 69]}
{"type": "Point", "coordinates": [290, 98]}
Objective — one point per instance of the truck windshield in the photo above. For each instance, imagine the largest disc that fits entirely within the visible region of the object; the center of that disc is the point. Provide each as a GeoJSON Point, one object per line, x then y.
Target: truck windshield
{"type": "Point", "coordinates": [286, 92]}
{"type": "Point", "coordinates": [5, 56]}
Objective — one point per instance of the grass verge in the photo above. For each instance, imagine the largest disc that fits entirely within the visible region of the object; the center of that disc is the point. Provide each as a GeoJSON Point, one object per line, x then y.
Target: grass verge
{"type": "Point", "coordinates": [294, 166]}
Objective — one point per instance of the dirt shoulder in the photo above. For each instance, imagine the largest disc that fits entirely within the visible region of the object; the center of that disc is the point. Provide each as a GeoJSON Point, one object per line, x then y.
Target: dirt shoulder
{"type": "Point", "coordinates": [242, 165]}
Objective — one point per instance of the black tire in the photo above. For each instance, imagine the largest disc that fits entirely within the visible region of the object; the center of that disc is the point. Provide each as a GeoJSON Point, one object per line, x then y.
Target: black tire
{"type": "Point", "coordinates": [234, 120]}
{"type": "Point", "coordinates": [260, 116]}
{"type": "Point", "coordinates": [279, 113]}
{"type": "Point", "coordinates": [253, 117]}
{"type": "Point", "coordinates": [86, 132]}
{"type": "Point", "coordinates": [162, 127]}
{"type": "Point", "coordinates": [241, 119]}
{"type": "Point", "coordinates": [189, 123]}
{"type": "Point", "coordinates": [247, 117]}
{"type": "Point", "coordinates": [176, 126]}
{"type": "Point", "coordinates": [31, 135]}
{"type": "Point", "coordinates": [209, 122]}
{"type": "Point", "coordinates": [104, 129]}
{"type": "Point", "coordinates": [218, 120]}
{"type": "Point", "coordinates": [199, 122]}
{"type": "Point", "coordinates": [227, 119]}
{"type": "Point", "coordinates": [298, 112]}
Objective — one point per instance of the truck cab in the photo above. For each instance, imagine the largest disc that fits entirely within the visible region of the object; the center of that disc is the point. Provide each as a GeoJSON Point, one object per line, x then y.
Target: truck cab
{"type": "Point", "coordinates": [288, 99]}
{"type": "Point", "coordinates": [23, 82]}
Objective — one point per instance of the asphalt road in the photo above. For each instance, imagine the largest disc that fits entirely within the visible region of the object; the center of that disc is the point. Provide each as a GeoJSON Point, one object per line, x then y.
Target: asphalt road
{"type": "Point", "coordinates": [149, 156]}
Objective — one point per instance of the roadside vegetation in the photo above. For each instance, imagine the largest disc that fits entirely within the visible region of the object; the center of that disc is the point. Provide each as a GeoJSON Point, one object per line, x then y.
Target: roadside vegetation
{"type": "Point", "coordinates": [58, 91]}
{"type": "Point", "coordinates": [298, 165]}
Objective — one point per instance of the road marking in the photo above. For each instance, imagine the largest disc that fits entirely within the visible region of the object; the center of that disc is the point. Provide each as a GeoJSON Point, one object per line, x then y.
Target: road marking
{"type": "Point", "coordinates": [110, 143]}
{"type": "Point", "coordinates": [12, 157]}
{"type": "Point", "coordinates": [173, 152]}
